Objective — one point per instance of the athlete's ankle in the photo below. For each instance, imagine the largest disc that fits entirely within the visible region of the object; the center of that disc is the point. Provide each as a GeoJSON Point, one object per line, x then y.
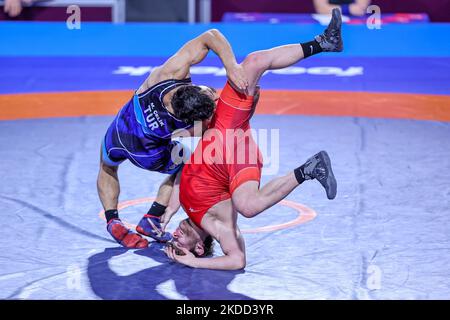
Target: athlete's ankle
{"type": "Point", "coordinates": [157, 209]}
{"type": "Point", "coordinates": [111, 214]}
{"type": "Point", "coordinates": [311, 48]}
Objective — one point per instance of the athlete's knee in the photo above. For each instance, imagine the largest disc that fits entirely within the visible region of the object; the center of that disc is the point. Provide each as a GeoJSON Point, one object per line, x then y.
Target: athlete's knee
{"type": "Point", "coordinates": [254, 65]}
{"type": "Point", "coordinates": [249, 210]}
{"type": "Point", "coordinates": [110, 170]}
{"type": "Point", "coordinates": [256, 62]}
{"type": "Point", "coordinates": [246, 199]}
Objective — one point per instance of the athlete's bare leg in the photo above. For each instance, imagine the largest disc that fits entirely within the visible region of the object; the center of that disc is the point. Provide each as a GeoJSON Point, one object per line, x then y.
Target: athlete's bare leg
{"type": "Point", "coordinates": [108, 186]}
{"type": "Point", "coordinates": [108, 190]}
{"type": "Point", "coordinates": [249, 200]}
{"type": "Point", "coordinates": [165, 190]}
{"type": "Point", "coordinates": [150, 224]}
{"type": "Point", "coordinates": [256, 63]}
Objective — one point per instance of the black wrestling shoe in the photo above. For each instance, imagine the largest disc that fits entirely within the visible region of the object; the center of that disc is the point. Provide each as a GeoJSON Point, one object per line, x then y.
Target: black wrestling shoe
{"type": "Point", "coordinates": [319, 167]}
{"type": "Point", "coordinates": [331, 39]}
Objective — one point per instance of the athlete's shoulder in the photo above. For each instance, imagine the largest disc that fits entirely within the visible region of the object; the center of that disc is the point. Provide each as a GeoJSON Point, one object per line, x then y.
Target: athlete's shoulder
{"type": "Point", "coordinates": [154, 78]}
{"type": "Point", "coordinates": [158, 76]}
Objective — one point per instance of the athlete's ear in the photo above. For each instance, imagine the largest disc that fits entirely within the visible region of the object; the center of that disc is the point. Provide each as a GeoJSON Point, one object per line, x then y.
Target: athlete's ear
{"type": "Point", "coordinates": [199, 248]}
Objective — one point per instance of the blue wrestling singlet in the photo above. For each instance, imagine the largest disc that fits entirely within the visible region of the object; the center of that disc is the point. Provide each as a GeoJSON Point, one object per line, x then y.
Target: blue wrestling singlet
{"type": "Point", "coordinates": [141, 131]}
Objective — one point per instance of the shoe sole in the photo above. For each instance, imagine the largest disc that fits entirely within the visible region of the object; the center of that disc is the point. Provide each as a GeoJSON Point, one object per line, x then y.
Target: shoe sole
{"type": "Point", "coordinates": [338, 16]}
{"type": "Point", "coordinates": [141, 231]}
{"type": "Point", "coordinates": [142, 240]}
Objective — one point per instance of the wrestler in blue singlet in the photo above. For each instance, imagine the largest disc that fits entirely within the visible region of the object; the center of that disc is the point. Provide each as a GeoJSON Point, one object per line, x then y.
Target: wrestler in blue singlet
{"type": "Point", "coordinates": [141, 131]}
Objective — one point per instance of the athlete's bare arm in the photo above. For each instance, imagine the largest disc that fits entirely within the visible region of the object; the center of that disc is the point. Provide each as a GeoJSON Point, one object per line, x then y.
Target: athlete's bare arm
{"type": "Point", "coordinates": [193, 52]}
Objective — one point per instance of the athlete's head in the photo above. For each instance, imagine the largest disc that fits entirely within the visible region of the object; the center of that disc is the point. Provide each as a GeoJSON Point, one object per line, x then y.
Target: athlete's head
{"type": "Point", "coordinates": [192, 238]}
{"type": "Point", "coordinates": [194, 103]}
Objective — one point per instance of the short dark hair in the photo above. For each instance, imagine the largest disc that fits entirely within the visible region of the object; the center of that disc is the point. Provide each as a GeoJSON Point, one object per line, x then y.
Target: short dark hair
{"type": "Point", "coordinates": [190, 104]}
{"type": "Point", "coordinates": [209, 246]}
